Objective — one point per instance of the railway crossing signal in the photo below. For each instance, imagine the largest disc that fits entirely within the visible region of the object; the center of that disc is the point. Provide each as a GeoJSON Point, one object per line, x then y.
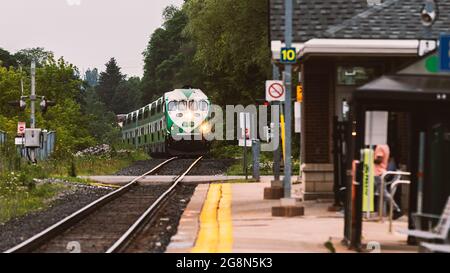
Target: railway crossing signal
{"type": "Point", "coordinates": [33, 136]}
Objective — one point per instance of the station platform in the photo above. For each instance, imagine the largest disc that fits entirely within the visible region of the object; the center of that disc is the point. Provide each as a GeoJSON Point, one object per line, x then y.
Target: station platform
{"type": "Point", "coordinates": [234, 218]}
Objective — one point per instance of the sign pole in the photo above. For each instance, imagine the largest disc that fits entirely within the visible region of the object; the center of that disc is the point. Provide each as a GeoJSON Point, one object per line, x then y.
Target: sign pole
{"type": "Point", "coordinates": [288, 102]}
{"type": "Point", "coordinates": [276, 153]}
{"type": "Point", "coordinates": [245, 147]}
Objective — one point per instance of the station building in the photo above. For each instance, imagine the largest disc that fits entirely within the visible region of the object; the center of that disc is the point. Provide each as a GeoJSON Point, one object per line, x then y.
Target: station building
{"type": "Point", "coordinates": [342, 45]}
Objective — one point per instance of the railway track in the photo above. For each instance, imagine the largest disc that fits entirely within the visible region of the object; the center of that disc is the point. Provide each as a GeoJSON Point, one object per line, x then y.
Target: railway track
{"type": "Point", "coordinates": [110, 223]}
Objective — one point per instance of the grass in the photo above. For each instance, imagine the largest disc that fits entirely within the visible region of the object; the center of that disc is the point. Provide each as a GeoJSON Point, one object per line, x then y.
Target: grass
{"type": "Point", "coordinates": [24, 201]}
{"type": "Point", "coordinates": [232, 151]}
{"type": "Point", "coordinates": [19, 195]}
{"type": "Point", "coordinates": [93, 165]}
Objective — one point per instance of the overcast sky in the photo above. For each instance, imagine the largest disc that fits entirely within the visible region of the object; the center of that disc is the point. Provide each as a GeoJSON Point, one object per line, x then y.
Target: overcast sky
{"type": "Point", "coordinates": [86, 32]}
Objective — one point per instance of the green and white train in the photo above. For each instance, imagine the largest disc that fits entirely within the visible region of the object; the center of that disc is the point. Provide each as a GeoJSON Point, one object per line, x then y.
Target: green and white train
{"type": "Point", "coordinates": [174, 124]}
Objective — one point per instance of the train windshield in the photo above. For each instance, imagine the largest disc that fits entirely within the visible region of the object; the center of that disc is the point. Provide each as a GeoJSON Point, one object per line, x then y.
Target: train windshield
{"type": "Point", "coordinates": [193, 105]}
{"type": "Point", "coordinates": [182, 105]}
{"type": "Point", "coordinates": [203, 105]}
{"type": "Point", "coordinates": [172, 106]}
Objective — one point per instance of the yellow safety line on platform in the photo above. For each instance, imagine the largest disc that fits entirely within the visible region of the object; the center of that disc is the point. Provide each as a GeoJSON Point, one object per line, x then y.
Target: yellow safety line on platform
{"type": "Point", "coordinates": [216, 227]}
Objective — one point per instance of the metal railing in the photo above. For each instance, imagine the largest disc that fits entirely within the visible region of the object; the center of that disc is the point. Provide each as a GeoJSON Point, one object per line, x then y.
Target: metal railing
{"type": "Point", "coordinates": [384, 184]}
{"type": "Point", "coordinates": [391, 206]}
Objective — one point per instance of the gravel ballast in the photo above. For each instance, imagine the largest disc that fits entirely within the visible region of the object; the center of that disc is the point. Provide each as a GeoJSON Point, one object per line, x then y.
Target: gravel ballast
{"type": "Point", "coordinates": [204, 167]}
{"type": "Point", "coordinates": [69, 201]}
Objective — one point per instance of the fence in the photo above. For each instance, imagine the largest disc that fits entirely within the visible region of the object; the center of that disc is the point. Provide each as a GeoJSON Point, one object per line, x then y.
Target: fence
{"type": "Point", "coordinates": [48, 146]}
{"type": "Point", "coordinates": [2, 137]}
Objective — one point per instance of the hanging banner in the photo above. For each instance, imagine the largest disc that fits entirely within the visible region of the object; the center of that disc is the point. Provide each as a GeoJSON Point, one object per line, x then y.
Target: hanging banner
{"type": "Point", "coordinates": [368, 181]}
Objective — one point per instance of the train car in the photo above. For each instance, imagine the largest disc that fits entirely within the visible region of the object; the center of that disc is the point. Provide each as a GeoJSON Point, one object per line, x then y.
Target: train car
{"type": "Point", "coordinates": [174, 124]}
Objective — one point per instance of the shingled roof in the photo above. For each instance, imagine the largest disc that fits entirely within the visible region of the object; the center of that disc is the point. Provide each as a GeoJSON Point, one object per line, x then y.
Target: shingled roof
{"type": "Point", "coordinates": [354, 19]}
{"type": "Point", "coordinates": [312, 17]}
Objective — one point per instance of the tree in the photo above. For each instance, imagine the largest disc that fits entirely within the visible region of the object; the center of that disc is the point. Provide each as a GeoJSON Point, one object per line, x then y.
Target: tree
{"type": "Point", "coordinates": [6, 59]}
{"type": "Point", "coordinates": [232, 47]}
{"type": "Point", "coordinates": [39, 54]}
{"type": "Point", "coordinates": [109, 82]}
{"type": "Point", "coordinates": [168, 57]}
{"type": "Point", "coordinates": [102, 123]}
{"type": "Point", "coordinates": [218, 46]}
{"type": "Point", "coordinates": [127, 96]}
{"type": "Point", "coordinates": [91, 77]}
{"type": "Point", "coordinates": [58, 81]}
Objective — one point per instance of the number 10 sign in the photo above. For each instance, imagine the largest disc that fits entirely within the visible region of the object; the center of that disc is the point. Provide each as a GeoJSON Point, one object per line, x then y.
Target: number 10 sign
{"type": "Point", "coordinates": [288, 55]}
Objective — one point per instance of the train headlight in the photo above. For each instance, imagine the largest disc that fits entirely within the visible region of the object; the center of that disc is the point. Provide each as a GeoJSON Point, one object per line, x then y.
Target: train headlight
{"type": "Point", "coordinates": [205, 128]}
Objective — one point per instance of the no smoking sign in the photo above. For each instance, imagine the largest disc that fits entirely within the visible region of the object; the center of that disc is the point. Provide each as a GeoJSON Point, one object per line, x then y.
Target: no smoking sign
{"type": "Point", "coordinates": [275, 91]}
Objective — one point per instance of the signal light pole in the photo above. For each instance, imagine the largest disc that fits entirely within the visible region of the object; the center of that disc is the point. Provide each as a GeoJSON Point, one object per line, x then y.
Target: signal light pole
{"type": "Point", "coordinates": [33, 136]}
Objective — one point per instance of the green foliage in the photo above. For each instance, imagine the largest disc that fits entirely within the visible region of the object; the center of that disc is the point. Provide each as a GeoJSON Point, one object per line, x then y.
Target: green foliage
{"type": "Point", "coordinates": [168, 58]}
{"type": "Point", "coordinates": [127, 96]}
{"type": "Point", "coordinates": [218, 46]}
{"type": "Point", "coordinates": [232, 47]}
{"type": "Point", "coordinates": [91, 77]}
{"type": "Point", "coordinates": [101, 123]}
{"type": "Point", "coordinates": [118, 94]}
{"type": "Point", "coordinates": [6, 59]}
{"type": "Point", "coordinates": [21, 200]}
{"type": "Point", "coordinates": [39, 54]}
{"type": "Point", "coordinates": [109, 81]}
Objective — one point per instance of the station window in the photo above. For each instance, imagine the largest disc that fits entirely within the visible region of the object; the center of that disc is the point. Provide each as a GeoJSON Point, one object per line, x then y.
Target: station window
{"type": "Point", "coordinates": [146, 112]}
{"type": "Point", "coordinates": [153, 110]}
{"type": "Point", "coordinates": [161, 125]}
{"type": "Point", "coordinates": [355, 75]}
{"type": "Point", "coordinates": [158, 108]}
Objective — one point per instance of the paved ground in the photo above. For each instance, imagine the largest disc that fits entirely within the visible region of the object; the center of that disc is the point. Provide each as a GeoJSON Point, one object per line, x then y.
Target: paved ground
{"type": "Point", "coordinates": [253, 229]}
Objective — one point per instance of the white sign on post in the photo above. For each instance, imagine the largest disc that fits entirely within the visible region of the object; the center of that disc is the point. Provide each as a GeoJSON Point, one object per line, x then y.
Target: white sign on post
{"type": "Point", "coordinates": [21, 126]}
{"type": "Point", "coordinates": [19, 141]}
{"type": "Point", "coordinates": [376, 127]}
{"type": "Point", "coordinates": [298, 117]}
{"type": "Point", "coordinates": [245, 125]}
{"type": "Point", "coordinates": [275, 91]}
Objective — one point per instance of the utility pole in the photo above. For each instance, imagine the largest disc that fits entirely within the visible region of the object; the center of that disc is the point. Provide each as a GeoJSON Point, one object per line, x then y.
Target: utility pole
{"type": "Point", "coordinates": [33, 95]}
{"type": "Point", "coordinates": [32, 150]}
{"type": "Point", "coordinates": [277, 152]}
{"type": "Point", "coordinates": [288, 102]}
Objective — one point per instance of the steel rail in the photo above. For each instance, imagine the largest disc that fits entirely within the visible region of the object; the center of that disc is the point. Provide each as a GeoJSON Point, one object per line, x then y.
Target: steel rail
{"type": "Point", "coordinates": [39, 239]}
{"type": "Point", "coordinates": [126, 238]}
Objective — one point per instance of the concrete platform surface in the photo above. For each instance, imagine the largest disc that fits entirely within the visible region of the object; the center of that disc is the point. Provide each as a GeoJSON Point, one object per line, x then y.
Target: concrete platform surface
{"type": "Point", "coordinates": [253, 229]}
